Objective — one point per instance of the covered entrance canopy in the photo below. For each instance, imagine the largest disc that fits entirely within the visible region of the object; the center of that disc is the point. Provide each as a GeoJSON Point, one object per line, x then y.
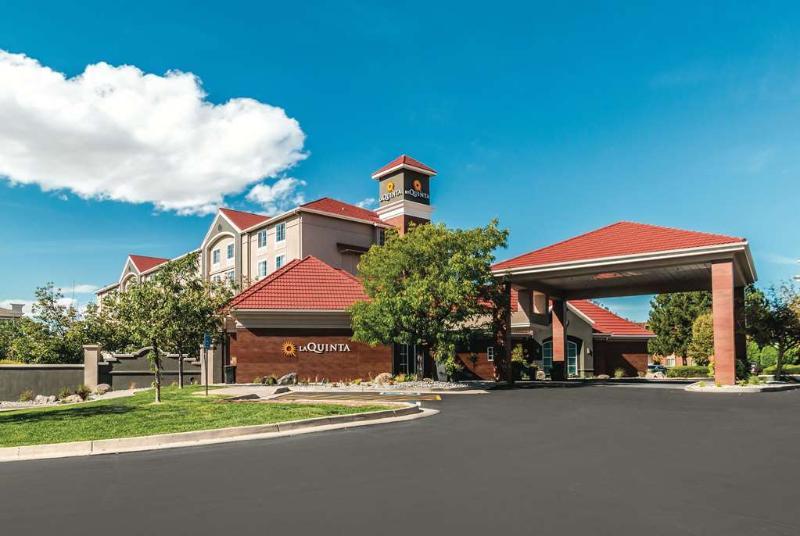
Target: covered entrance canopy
{"type": "Point", "coordinates": [625, 259]}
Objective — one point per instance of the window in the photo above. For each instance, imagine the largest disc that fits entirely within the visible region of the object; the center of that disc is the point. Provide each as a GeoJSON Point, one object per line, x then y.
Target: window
{"type": "Point", "coordinates": [381, 237]}
{"type": "Point", "coordinates": [262, 268]}
{"type": "Point", "coordinates": [279, 261]}
{"type": "Point", "coordinates": [230, 251]}
{"type": "Point", "coordinates": [215, 256]}
{"type": "Point", "coordinates": [280, 232]}
{"type": "Point", "coordinates": [215, 279]}
{"type": "Point", "coordinates": [572, 358]}
{"type": "Point", "coordinates": [547, 356]}
{"type": "Point", "coordinates": [231, 275]}
{"type": "Point", "coordinates": [490, 353]}
{"type": "Point", "coordinates": [262, 238]}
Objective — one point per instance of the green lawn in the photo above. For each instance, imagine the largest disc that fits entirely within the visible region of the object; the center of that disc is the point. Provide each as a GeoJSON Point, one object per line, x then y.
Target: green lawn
{"type": "Point", "coordinates": [180, 411]}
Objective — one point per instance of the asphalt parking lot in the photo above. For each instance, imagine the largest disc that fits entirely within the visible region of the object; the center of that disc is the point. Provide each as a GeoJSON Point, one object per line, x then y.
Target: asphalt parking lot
{"type": "Point", "coordinates": [589, 460]}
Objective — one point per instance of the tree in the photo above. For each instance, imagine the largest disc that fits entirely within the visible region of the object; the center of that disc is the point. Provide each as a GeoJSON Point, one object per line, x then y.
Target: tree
{"type": "Point", "coordinates": [672, 317]}
{"type": "Point", "coordinates": [701, 347]}
{"type": "Point", "coordinates": [169, 312]}
{"type": "Point", "coordinates": [773, 319]}
{"type": "Point", "coordinates": [429, 287]}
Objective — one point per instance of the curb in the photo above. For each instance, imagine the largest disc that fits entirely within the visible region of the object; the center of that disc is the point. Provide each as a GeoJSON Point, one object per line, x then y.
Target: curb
{"type": "Point", "coordinates": [746, 389]}
{"type": "Point", "coordinates": [210, 437]}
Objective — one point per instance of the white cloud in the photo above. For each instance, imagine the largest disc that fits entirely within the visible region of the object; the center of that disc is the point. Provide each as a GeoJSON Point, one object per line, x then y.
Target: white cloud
{"type": "Point", "coordinates": [369, 202]}
{"type": "Point", "coordinates": [118, 133]}
{"type": "Point", "coordinates": [282, 195]}
{"type": "Point", "coordinates": [80, 289]}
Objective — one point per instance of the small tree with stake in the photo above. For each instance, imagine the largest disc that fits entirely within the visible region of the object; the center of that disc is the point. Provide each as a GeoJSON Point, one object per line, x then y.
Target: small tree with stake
{"type": "Point", "coordinates": [170, 312]}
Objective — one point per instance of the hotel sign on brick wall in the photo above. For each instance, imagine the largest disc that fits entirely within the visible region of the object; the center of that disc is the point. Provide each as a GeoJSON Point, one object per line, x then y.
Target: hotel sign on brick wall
{"type": "Point", "coordinates": [290, 349]}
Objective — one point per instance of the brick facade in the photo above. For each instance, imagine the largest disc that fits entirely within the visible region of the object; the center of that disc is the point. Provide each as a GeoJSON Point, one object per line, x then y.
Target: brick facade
{"type": "Point", "coordinates": [630, 356]}
{"type": "Point", "coordinates": [259, 352]}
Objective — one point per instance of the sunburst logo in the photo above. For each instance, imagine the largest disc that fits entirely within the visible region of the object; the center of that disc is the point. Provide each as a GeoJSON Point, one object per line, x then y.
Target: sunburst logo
{"type": "Point", "coordinates": [417, 185]}
{"type": "Point", "coordinates": [390, 187]}
{"type": "Point", "coordinates": [289, 349]}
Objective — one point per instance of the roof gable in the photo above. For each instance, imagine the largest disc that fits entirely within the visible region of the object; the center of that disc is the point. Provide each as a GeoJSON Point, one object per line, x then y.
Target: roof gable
{"type": "Point", "coordinates": [143, 263]}
{"type": "Point", "coordinates": [307, 284]}
{"type": "Point", "coordinates": [607, 323]}
{"type": "Point", "coordinates": [340, 208]}
{"type": "Point", "coordinates": [241, 219]}
{"type": "Point", "coordinates": [615, 240]}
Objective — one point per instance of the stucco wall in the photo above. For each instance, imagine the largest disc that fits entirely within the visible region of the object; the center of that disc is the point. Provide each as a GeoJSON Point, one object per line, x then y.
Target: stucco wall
{"type": "Point", "coordinates": [321, 235]}
{"type": "Point", "coordinates": [290, 247]}
{"type": "Point", "coordinates": [40, 379]}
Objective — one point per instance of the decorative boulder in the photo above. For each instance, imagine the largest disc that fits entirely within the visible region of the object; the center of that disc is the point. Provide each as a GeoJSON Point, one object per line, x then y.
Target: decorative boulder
{"type": "Point", "coordinates": [383, 379]}
{"type": "Point", "coordinates": [603, 376]}
{"type": "Point", "coordinates": [72, 399]}
{"type": "Point", "coordinates": [288, 379]}
{"type": "Point", "coordinates": [102, 389]}
{"type": "Point", "coordinates": [655, 375]}
{"type": "Point", "coordinates": [40, 399]}
{"type": "Point", "coordinates": [51, 399]}
{"type": "Point", "coordinates": [540, 375]}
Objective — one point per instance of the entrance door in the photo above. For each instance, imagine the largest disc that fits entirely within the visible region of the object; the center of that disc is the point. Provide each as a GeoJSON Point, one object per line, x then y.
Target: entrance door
{"type": "Point", "coordinates": [572, 358]}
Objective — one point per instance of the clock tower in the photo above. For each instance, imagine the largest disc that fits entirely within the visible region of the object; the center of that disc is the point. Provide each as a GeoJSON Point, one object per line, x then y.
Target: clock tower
{"type": "Point", "coordinates": [404, 192]}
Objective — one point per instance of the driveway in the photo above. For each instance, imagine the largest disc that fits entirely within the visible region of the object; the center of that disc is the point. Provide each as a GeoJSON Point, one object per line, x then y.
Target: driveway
{"type": "Point", "coordinates": [589, 460]}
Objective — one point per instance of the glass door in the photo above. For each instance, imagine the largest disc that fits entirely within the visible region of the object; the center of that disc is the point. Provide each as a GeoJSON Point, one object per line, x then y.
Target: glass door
{"type": "Point", "coordinates": [572, 358]}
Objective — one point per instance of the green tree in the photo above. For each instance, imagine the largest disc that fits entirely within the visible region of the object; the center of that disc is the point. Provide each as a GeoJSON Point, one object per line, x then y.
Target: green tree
{"type": "Point", "coordinates": [169, 312]}
{"type": "Point", "coordinates": [430, 287]}
{"type": "Point", "coordinates": [701, 347]}
{"type": "Point", "coordinates": [671, 319]}
{"type": "Point", "coordinates": [773, 319]}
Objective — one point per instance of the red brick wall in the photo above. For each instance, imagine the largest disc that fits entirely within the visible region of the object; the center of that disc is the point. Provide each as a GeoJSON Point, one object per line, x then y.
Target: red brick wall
{"type": "Point", "coordinates": [483, 368]}
{"type": "Point", "coordinates": [258, 352]}
{"type": "Point", "coordinates": [628, 355]}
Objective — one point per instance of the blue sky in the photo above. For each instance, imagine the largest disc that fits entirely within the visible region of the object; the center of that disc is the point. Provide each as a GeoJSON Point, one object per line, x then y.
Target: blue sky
{"type": "Point", "coordinates": [556, 119]}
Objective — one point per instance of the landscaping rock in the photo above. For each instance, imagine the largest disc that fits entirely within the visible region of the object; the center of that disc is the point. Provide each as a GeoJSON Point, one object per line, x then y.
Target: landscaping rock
{"type": "Point", "coordinates": [288, 379]}
{"type": "Point", "coordinates": [540, 375]}
{"type": "Point", "coordinates": [71, 399]}
{"type": "Point", "coordinates": [603, 376]}
{"type": "Point", "coordinates": [102, 389]}
{"type": "Point", "coordinates": [40, 399]}
{"type": "Point", "coordinates": [383, 379]}
{"type": "Point", "coordinates": [655, 375]}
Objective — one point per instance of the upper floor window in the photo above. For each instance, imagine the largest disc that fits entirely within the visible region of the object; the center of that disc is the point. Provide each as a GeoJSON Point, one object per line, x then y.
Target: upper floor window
{"type": "Point", "coordinates": [280, 232]}
{"type": "Point", "coordinates": [231, 275]}
{"type": "Point", "coordinates": [230, 251]}
{"type": "Point", "coordinates": [280, 260]}
{"type": "Point", "coordinates": [262, 268]}
{"type": "Point", "coordinates": [262, 238]}
{"type": "Point", "coordinates": [215, 256]}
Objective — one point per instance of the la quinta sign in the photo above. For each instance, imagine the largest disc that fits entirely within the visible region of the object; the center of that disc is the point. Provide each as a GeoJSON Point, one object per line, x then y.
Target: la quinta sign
{"type": "Point", "coordinates": [290, 349]}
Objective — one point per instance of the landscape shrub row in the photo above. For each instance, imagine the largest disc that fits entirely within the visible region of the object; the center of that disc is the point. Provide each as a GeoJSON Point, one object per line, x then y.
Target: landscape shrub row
{"type": "Point", "coordinates": [688, 372]}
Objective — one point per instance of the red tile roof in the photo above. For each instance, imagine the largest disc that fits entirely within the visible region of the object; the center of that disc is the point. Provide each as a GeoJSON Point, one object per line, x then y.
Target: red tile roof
{"type": "Point", "coordinates": [404, 160]}
{"type": "Point", "coordinates": [241, 219]}
{"type": "Point", "coordinates": [143, 263]}
{"type": "Point", "coordinates": [607, 323]}
{"type": "Point", "coordinates": [617, 239]}
{"type": "Point", "coordinates": [332, 206]}
{"type": "Point", "coordinates": [300, 285]}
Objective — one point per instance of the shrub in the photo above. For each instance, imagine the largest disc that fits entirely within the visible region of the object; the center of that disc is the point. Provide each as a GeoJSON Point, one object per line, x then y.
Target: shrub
{"type": "Point", "coordinates": [270, 380]}
{"type": "Point", "coordinates": [64, 393]}
{"type": "Point", "coordinates": [258, 379]}
{"type": "Point", "coordinates": [787, 369]}
{"type": "Point", "coordinates": [687, 372]}
{"type": "Point", "coordinates": [619, 373]}
{"type": "Point", "coordinates": [26, 395]}
{"type": "Point", "coordinates": [357, 381]}
{"type": "Point", "coordinates": [83, 392]}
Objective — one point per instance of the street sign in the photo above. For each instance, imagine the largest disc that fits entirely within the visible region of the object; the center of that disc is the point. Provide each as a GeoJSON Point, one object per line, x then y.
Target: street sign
{"type": "Point", "coordinates": [207, 341]}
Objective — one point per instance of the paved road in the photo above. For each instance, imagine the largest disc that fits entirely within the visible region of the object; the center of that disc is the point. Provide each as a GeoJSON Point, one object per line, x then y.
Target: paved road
{"type": "Point", "coordinates": [590, 460]}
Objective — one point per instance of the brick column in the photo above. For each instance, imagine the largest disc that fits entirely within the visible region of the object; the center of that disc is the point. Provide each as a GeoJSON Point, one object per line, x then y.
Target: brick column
{"type": "Point", "coordinates": [559, 371]}
{"type": "Point", "coordinates": [724, 326]}
{"type": "Point", "coordinates": [740, 326]}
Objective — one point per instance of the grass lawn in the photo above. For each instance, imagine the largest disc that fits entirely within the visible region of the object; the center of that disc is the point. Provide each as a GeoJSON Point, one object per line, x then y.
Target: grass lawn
{"type": "Point", "coordinates": [179, 411]}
